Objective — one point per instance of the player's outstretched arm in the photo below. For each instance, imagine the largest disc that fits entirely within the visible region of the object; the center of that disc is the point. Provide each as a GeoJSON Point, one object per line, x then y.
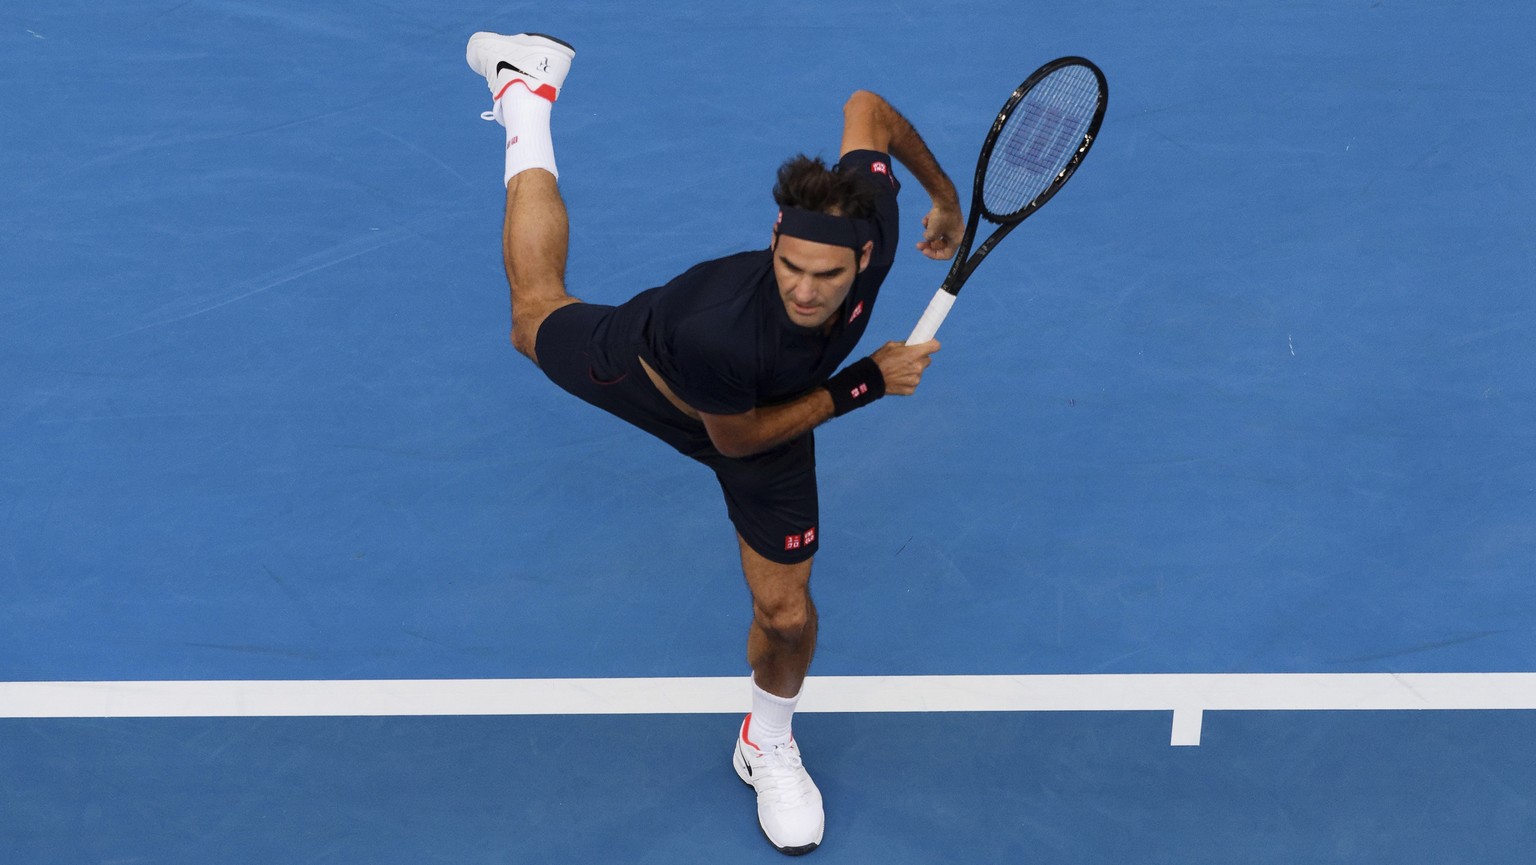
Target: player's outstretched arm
{"type": "Point", "coordinates": [870, 123]}
{"type": "Point", "coordinates": [895, 368]}
{"type": "Point", "coordinates": [765, 427]}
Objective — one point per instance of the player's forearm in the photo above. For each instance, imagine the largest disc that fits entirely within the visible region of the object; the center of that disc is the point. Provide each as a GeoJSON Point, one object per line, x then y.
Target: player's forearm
{"type": "Point", "coordinates": [906, 146]}
{"type": "Point", "coordinates": [855, 385]}
{"type": "Point", "coordinates": [774, 425]}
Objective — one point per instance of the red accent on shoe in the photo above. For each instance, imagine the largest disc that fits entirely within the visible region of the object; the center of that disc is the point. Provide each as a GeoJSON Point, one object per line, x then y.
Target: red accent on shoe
{"type": "Point", "coordinates": [745, 727]}
{"type": "Point", "coordinates": [544, 90]}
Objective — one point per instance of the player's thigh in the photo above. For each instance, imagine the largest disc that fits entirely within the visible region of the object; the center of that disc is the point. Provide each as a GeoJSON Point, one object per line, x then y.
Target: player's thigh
{"type": "Point", "coordinates": [772, 501]}
{"type": "Point", "coordinates": [575, 353]}
{"type": "Point", "coordinates": [529, 317]}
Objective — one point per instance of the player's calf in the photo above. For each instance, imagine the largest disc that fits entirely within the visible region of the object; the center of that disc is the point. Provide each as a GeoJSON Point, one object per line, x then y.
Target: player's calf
{"type": "Point", "coordinates": [535, 237]}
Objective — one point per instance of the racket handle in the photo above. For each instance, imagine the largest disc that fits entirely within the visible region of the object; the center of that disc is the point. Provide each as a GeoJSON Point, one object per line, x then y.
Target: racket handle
{"type": "Point", "coordinates": [933, 316]}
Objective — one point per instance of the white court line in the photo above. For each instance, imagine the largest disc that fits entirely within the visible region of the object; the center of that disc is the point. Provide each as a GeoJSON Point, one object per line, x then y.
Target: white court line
{"type": "Point", "coordinates": [1186, 726]}
{"type": "Point", "coordinates": [1187, 695]}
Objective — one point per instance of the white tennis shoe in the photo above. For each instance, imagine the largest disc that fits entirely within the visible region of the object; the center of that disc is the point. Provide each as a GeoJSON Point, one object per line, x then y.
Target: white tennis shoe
{"type": "Point", "coordinates": [538, 62]}
{"type": "Point", "coordinates": [788, 803]}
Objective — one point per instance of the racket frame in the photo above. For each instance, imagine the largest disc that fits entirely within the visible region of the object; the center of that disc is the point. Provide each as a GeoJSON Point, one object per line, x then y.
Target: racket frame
{"type": "Point", "coordinates": [965, 263]}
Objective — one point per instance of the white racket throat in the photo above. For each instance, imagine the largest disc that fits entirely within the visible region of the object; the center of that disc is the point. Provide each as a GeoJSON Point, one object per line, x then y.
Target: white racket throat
{"type": "Point", "coordinates": [933, 316]}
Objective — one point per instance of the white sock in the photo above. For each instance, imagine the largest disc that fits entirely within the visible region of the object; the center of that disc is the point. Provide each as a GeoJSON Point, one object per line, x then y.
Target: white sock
{"type": "Point", "coordinates": [526, 118]}
{"type": "Point", "coordinates": [771, 717]}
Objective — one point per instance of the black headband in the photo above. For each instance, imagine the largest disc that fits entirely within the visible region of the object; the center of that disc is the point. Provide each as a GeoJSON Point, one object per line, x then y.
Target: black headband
{"type": "Point", "coordinates": [844, 231]}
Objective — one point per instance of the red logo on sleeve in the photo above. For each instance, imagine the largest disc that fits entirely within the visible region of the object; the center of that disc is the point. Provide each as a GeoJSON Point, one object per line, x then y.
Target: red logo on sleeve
{"type": "Point", "coordinates": [879, 168]}
{"type": "Point", "coordinates": [810, 535]}
{"type": "Point", "coordinates": [791, 542]}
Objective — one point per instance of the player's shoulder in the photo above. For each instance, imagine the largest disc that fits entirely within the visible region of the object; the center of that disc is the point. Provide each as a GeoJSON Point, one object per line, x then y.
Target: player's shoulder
{"type": "Point", "coordinates": [735, 267]}
{"type": "Point", "coordinates": [711, 302]}
{"type": "Point", "coordinates": [875, 164]}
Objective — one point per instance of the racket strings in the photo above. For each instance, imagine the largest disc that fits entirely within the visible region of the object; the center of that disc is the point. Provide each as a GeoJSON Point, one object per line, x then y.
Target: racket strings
{"type": "Point", "coordinates": [1039, 139]}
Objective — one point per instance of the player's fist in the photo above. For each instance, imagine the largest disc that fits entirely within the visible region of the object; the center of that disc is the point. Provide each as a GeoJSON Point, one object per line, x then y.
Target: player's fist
{"type": "Point", "coordinates": [902, 365]}
{"type": "Point", "coordinates": [942, 230]}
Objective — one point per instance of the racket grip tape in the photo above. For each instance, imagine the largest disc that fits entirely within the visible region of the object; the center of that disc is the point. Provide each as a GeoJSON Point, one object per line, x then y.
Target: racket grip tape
{"type": "Point", "coordinates": [933, 316]}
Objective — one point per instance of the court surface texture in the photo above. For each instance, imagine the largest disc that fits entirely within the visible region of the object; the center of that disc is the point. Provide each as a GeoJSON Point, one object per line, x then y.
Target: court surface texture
{"type": "Point", "coordinates": [1207, 539]}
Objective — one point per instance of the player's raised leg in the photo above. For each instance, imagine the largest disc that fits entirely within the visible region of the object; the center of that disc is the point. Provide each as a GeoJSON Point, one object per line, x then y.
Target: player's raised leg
{"type": "Point", "coordinates": [779, 648]}
{"type": "Point", "coordinates": [525, 73]}
{"type": "Point", "coordinates": [534, 239]}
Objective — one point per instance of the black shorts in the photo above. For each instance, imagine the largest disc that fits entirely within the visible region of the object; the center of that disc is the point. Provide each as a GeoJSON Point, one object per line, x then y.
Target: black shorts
{"type": "Point", "coordinates": [771, 496]}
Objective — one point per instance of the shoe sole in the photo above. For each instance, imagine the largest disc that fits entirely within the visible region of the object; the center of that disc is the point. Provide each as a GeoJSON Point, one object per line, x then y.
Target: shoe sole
{"type": "Point", "coordinates": [553, 39]}
{"type": "Point", "coordinates": [486, 36]}
{"type": "Point", "coordinates": [739, 763]}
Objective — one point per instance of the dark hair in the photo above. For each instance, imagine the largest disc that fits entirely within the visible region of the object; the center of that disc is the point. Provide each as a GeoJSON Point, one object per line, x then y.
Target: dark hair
{"type": "Point", "coordinates": [809, 184]}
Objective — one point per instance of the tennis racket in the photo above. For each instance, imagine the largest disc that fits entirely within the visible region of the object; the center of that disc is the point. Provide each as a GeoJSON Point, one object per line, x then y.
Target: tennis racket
{"type": "Point", "coordinates": [1037, 142]}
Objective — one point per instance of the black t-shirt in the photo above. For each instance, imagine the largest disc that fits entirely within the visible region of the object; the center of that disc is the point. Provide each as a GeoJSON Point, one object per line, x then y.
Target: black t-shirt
{"type": "Point", "coordinates": [719, 334]}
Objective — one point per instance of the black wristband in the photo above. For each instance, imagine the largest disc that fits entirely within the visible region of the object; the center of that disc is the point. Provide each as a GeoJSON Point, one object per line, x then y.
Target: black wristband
{"type": "Point", "coordinates": [857, 385]}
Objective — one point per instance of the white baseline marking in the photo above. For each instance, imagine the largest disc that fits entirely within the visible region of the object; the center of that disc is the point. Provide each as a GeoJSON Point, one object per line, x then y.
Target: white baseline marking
{"type": "Point", "coordinates": [1187, 695]}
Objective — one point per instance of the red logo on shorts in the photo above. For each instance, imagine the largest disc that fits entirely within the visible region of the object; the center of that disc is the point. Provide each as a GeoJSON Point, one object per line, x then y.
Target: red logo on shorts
{"type": "Point", "coordinates": [795, 542]}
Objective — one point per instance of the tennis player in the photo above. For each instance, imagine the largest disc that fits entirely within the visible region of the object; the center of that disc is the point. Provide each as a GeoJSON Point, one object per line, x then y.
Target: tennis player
{"type": "Point", "coordinates": [733, 363]}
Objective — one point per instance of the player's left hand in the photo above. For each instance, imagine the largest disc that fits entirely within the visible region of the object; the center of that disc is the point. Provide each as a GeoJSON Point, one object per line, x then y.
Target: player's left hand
{"type": "Point", "coordinates": [942, 229]}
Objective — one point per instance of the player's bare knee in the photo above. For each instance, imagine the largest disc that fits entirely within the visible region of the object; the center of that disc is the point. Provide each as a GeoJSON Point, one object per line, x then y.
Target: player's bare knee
{"type": "Point", "coordinates": [524, 339]}
{"type": "Point", "coordinates": [786, 620]}
{"type": "Point", "coordinates": [788, 630]}
{"type": "Point", "coordinates": [527, 318]}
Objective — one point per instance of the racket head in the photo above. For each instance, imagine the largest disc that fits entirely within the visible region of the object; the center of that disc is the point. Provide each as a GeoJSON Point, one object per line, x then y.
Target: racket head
{"type": "Point", "coordinates": [1039, 138]}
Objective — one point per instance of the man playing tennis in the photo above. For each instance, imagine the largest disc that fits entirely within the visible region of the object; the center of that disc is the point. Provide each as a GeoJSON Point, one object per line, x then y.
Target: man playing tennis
{"type": "Point", "coordinates": [733, 363]}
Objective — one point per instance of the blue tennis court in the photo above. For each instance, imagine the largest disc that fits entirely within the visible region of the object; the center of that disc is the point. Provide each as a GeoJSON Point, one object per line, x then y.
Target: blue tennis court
{"type": "Point", "coordinates": [1253, 396]}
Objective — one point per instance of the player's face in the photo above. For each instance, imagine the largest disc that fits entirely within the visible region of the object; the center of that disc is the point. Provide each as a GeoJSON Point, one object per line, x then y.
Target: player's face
{"type": "Point", "coordinates": [814, 278]}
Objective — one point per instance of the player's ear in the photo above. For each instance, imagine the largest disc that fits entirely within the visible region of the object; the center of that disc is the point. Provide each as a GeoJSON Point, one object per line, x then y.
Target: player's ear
{"type": "Point", "coordinates": [865, 253]}
{"type": "Point", "coordinates": [773, 244]}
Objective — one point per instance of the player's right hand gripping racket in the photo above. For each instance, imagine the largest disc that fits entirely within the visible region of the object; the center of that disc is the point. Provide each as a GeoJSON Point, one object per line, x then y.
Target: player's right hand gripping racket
{"type": "Point", "coordinates": [1039, 138]}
